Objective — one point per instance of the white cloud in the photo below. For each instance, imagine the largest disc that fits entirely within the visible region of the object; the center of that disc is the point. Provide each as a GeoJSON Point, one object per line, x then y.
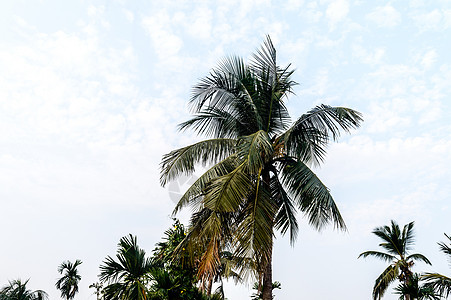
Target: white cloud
{"type": "Point", "coordinates": [428, 21]}
{"type": "Point", "coordinates": [385, 16]}
{"type": "Point", "coordinates": [166, 43]}
{"type": "Point", "coordinates": [368, 56]}
{"type": "Point", "coordinates": [336, 11]}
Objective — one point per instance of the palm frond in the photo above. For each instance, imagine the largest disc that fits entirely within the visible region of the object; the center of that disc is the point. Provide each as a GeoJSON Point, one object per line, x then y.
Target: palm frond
{"type": "Point", "coordinates": [381, 255]}
{"type": "Point", "coordinates": [286, 215]}
{"type": "Point", "coordinates": [439, 282]}
{"type": "Point", "coordinates": [194, 194]}
{"type": "Point", "coordinates": [311, 195]}
{"type": "Point", "coordinates": [384, 280]}
{"type": "Point", "coordinates": [419, 257]}
{"type": "Point", "coordinates": [183, 160]}
{"type": "Point", "coordinates": [307, 138]}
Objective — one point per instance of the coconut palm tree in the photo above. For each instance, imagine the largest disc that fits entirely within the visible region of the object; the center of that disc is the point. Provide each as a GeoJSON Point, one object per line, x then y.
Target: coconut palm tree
{"type": "Point", "coordinates": [441, 283]}
{"type": "Point", "coordinates": [397, 245]}
{"type": "Point", "coordinates": [17, 290]}
{"type": "Point", "coordinates": [261, 161]}
{"type": "Point", "coordinates": [68, 283]}
{"type": "Point", "coordinates": [127, 277]}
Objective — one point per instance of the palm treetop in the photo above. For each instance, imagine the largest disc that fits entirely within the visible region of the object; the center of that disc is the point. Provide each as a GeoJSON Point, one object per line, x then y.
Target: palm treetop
{"type": "Point", "coordinates": [397, 244]}
{"type": "Point", "coordinates": [68, 283]}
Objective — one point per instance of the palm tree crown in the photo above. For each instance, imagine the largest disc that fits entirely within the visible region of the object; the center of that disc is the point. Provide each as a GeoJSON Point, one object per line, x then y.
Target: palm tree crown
{"type": "Point", "coordinates": [260, 174]}
{"type": "Point", "coordinates": [17, 290]}
{"type": "Point", "coordinates": [439, 282]}
{"type": "Point", "coordinates": [127, 277]}
{"type": "Point", "coordinates": [397, 245]}
{"type": "Point", "coordinates": [68, 283]}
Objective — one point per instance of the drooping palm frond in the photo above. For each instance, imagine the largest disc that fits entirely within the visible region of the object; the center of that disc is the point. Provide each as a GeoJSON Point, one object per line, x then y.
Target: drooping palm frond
{"type": "Point", "coordinates": [310, 194]}
{"type": "Point", "coordinates": [254, 233]}
{"type": "Point", "coordinates": [307, 138]}
{"type": "Point", "coordinates": [193, 196]}
{"type": "Point", "coordinates": [285, 218]}
{"type": "Point", "coordinates": [384, 280]}
{"type": "Point", "coordinates": [418, 257]}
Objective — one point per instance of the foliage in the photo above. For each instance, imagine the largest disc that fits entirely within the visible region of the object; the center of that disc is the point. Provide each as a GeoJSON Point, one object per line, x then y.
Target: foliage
{"type": "Point", "coordinates": [261, 163]}
{"type": "Point", "coordinates": [68, 283]}
{"type": "Point", "coordinates": [413, 288]}
{"type": "Point", "coordinates": [127, 277]}
{"type": "Point", "coordinates": [397, 245]}
{"type": "Point", "coordinates": [17, 290]}
{"type": "Point", "coordinates": [441, 283]}
{"type": "Point", "coordinates": [258, 295]}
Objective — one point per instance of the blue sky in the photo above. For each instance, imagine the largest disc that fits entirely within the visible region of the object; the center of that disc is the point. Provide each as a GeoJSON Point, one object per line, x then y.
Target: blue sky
{"type": "Point", "coordinates": [91, 93]}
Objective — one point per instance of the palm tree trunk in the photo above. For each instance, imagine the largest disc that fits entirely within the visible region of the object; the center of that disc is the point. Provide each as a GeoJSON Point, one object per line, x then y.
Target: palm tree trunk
{"type": "Point", "coordinates": [267, 275]}
{"type": "Point", "coordinates": [267, 278]}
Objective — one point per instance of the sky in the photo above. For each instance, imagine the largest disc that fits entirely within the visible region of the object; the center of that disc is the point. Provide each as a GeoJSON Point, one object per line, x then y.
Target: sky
{"type": "Point", "coordinates": [91, 93]}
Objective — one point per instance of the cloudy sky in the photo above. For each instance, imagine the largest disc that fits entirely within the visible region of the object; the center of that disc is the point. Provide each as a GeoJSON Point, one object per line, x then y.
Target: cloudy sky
{"type": "Point", "coordinates": [91, 93]}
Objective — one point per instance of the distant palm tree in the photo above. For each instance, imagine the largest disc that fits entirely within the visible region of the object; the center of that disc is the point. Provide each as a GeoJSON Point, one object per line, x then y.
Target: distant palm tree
{"type": "Point", "coordinates": [68, 283]}
{"type": "Point", "coordinates": [397, 244]}
{"type": "Point", "coordinates": [17, 290]}
{"type": "Point", "coordinates": [128, 277]}
{"type": "Point", "coordinates": [415, 290]}
{"type": "Point", "coordinates": [441, 283]}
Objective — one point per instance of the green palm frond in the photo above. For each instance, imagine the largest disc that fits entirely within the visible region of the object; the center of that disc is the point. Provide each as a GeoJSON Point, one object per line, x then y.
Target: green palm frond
{"type": "Point", "coordinates": [310, 194]}
{"type": "Point", "coordinates": [307, 138]}
{"type": "Point", "coordinates": [439, 282]}
{"type": "Point", "coordinates": [384, 280]}
{"type": "Point", "coordinates": [253, 238]}
{"type": "Point", "coordinates": [194, 194]}
{"type": "Point", "coordinates": [419, 257]}
{"type": "Point", "coordinates": [286, 215]}
{"type": "Point", "coordinates": [183, 160]}
{"type": "Point", "coordinates": [381, 255]}
{"type": "Point", "coordinates": [227, 193]}
{"type": "Point", "coordinates": [255, 150]}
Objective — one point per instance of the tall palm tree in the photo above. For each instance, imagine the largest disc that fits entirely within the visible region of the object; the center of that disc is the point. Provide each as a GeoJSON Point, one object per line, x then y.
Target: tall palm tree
{"type": "Point", "coordinates": [397, 245]}
{"type": "Point", "coordinates": [17, 290]}
{"type": "Point", "coordinates": [441, 283]}
{"type": "Point", "coordinates": [128, 277]}
{"type": "Point", "coordinates": [261, 162]}
{"type": "Point", "coordinates": [68, 283]}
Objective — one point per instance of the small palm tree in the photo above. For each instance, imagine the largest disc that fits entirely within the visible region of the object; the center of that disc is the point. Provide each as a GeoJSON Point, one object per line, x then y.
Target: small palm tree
{"type": "Point", "coordinates": [17, 290]}
{"type": "Point", "coordinates": [397, 245]}
{"type": "Point", "coordinates": [128, 277]}
{"type": "Point", "coordinates": [415, 290]}
{"type": "Point", "coordinates": [441, 283]}
{"type": "Point", "coordinates": [68, 283]}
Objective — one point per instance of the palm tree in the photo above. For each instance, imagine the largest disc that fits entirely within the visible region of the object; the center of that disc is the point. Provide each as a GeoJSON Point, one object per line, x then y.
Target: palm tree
{"type": "Point", "coordinates": [17, 290]}
{"type": "Point", "coordinates": [68, 283]}
{"type": "Point", "coordinates": [441, 283]}
{"type": "Point", "coordinates": [261, 173]}
{"type": "Point", "coordinates": [415, 290]}
{"type": "Point", "coordinates": [128, 277]}
{"type": "Point", "coordinates": [397, 245]}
